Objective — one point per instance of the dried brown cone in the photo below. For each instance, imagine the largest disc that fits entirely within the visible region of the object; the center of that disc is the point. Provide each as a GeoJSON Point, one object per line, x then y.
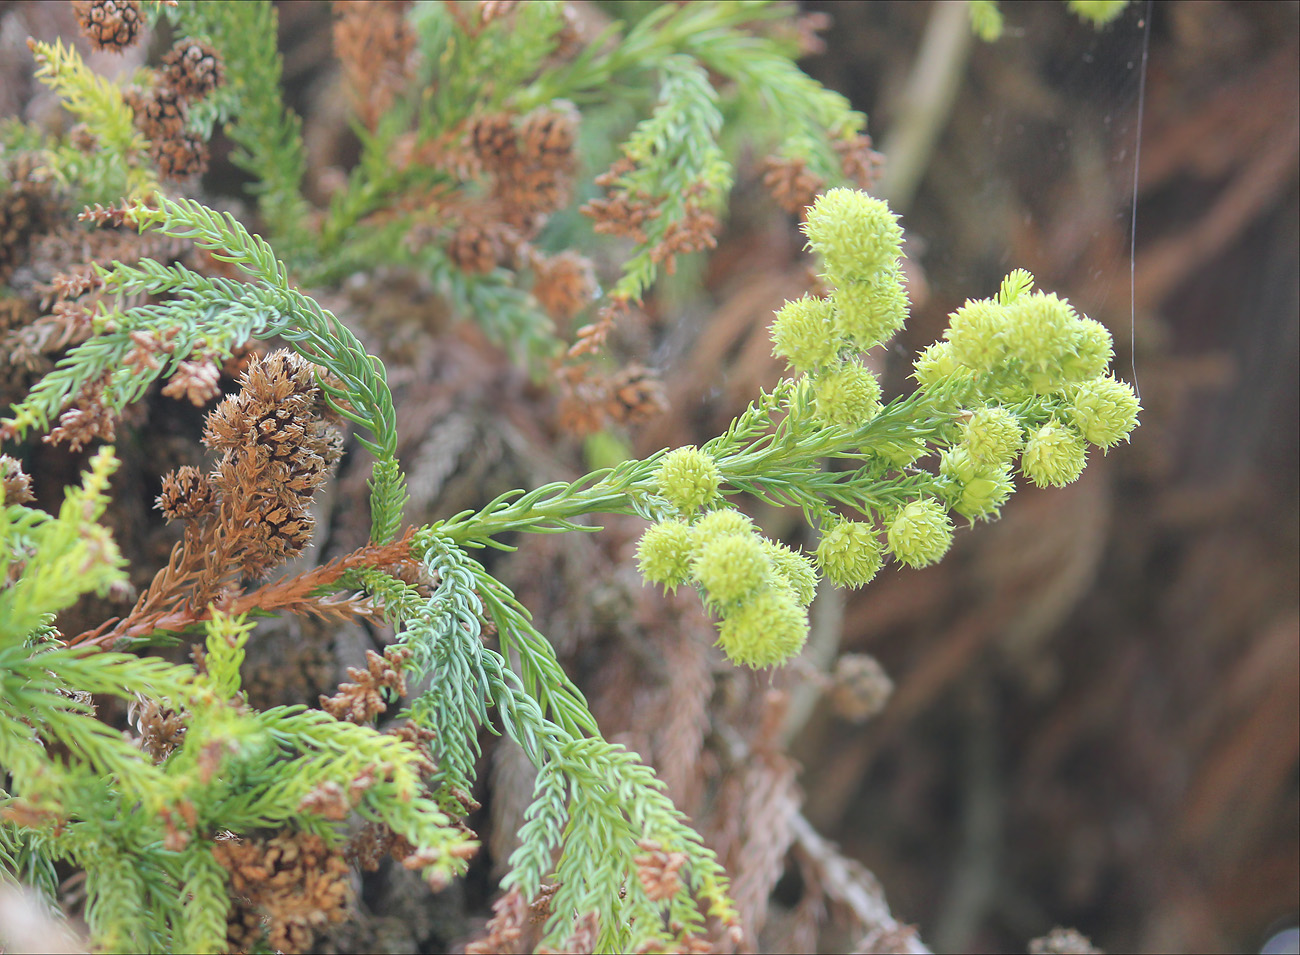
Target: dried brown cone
{"type": "Point", "coordinates": [161, 729]}
{"type": "Point", "coordinates": [277, 447]}
{"type": "Point", "coordinates": [327, 800]}
{"type": "Point", "coordinates": [196, 381]}
{"type": "Point", "coordinates": [26, 210]}
{"type": "Point", "coordinates": [621, 214]}
{"type": "Point", "coordinates": [279, 407]}
{"type": "Point", "coordinates": [583, 396]}
{"type": "Point", "coordinates": [82, 138]}
{"type": "Point", "coordinates": [861, 687]}
{"type": "Point", "coordinates": [476, 249]}
{"type": "Point", "coordinates": [656, 870]}
{"type": "Point", "coordinates": [362, 700]}
{"type": "Point", "coordinates": [374, 44]}
{"type": "Point", "coordinates": [563, 284]}
{"type": "Point", "coordinates": [180, 156]}
{"type": "Point", "coordinates": [695, 231]}
{"type": "Point", "coordinates": [14, 482]}
{"type": "Point", "coordinates": [635, 395]}
{"type": "Point", "coordinates": [110, 25]}
{"type": "Point", "coordinates": [186, 493]}
{"type": "Point", "coordinates": [494, 141]}
{"type": "Point", "coordinates": [421, 740]}
{"type": "Point", "coordinates": [369, 847]}
{"type": "Point", "coordinates": [547, 136]}
{"type": "Point", "coordinates": [81, 425]}
{"type": "Point", "coordinates": [510, 915]}
{"type": "Point", "coordinates": [192, 69]}
{"type": "Point", "coordinates": [287, 890]}
{"type": "Point", "coordinates": [861, 164]}
{"type": "Point", "coordinates": [791, 183]}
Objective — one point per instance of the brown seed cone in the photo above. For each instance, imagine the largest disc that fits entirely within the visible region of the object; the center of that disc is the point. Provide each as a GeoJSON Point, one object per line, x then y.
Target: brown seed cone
{"type": "Point", "coordinates": [192, 69]}
{"type": "Point", "coordinates": [15, 482]}
{"type": "Point", "coordinates": [475, 249]}
{"type": "Point", "coordinates": [180, 157]}
{"type": "Point", "coordinates": [861, 687]}
{"type": "Point", "coordinates": [563, 284]}
{"type": "Point", "coordinates": [111, 25]}
{"type": "Point", "coordinates": [791, 183]}
{"type": "Point", "coordinates": [186, 493]}
{"type": "Point", "coordinates": [635, 395]}
{"type": "Point", "coordinates": [26, 208]}
{"type": "Point", "coordinates": [159, 114]}
{"type": "Point", "coordinates": [494, 141]}
{"type": "Point", "coordinates": [547, 137]}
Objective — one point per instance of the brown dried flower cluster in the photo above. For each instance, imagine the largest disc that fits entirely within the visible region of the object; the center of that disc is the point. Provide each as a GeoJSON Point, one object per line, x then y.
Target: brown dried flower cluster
{"type": "Point", "coordinates": [159, 115]}
{"type": "Point", "coordinates": [657, 870]}
{"type": "Point", "coordinates": [374, 44]}
{"type": "Point", "coordinates": [87, 420]}
{"type": "Point", "coordinates": [625, 212]}
{"type": "Point", "coordinates": [860, 163]}
{"type": "Point", "coordinates": [186, 494]}
{"type": "Point", "coordinates": [287, 889]}
{"type": "Point", "coordinates": [14, 482]}
{"type": "Point", "coordinates": [421, 740]}
{"type": "Point", "coordinates": [195, 381]}
{"type": "Point", "coordinates": [621, 212]}
{"type": "Point", "coordinates": [161, 728]}
{"type": "Point", "coordinates": [792, 184]}
{"type": "Point", "coordinates": [27, 209]}
{"type": "Point", "coordinates": [695, 231]}
{"type": "Point", "coordinates": [278, 441]}
{"type": "Point", "coordinates": [327, 800]}
{"type": "Point", "coordinates": [479, 248]}
{"type": "Point", "coordinates": [363, 700]}
{"type": "Point", "coordinates": [860, 687]}
{"type": "Point", "coordinates": [189, 72]}
{"type": "Point", "coordinates": [111, 25]}
{"type": "Point", "coordinates": [591, 399]}
{"type": "Point", "coordinates": [510, 916]}
{"type": "Point", "coordinates": [563, 284]}
{"type": "Point", "coordinates": [531, 164]}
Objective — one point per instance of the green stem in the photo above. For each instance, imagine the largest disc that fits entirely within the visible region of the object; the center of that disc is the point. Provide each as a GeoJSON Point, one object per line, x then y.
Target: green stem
{"type": "Point", "coordinates": [772, 463]}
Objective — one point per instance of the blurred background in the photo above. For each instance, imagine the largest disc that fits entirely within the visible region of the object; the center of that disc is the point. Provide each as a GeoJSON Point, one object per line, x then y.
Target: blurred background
{"type": "Point", "coordinates": [1094, 719]}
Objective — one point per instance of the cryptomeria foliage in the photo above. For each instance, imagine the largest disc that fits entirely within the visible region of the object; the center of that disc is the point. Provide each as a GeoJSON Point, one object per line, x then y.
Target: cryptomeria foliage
{"type": "Point", "coordinates": [1020, 379]}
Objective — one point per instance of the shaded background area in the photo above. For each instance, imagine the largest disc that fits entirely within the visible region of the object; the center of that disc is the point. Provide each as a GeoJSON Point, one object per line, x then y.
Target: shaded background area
{"type": "Point", "coordinates": [1095, 717]}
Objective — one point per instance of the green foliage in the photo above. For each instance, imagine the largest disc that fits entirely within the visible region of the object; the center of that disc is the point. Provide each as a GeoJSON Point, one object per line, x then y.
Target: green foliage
{"type": "Point", "coordinates": [113, 169]}
{"type": "Point", "coordinates": [1019, 377]}
{"type": "Point", "coordinates": [60, 558]}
